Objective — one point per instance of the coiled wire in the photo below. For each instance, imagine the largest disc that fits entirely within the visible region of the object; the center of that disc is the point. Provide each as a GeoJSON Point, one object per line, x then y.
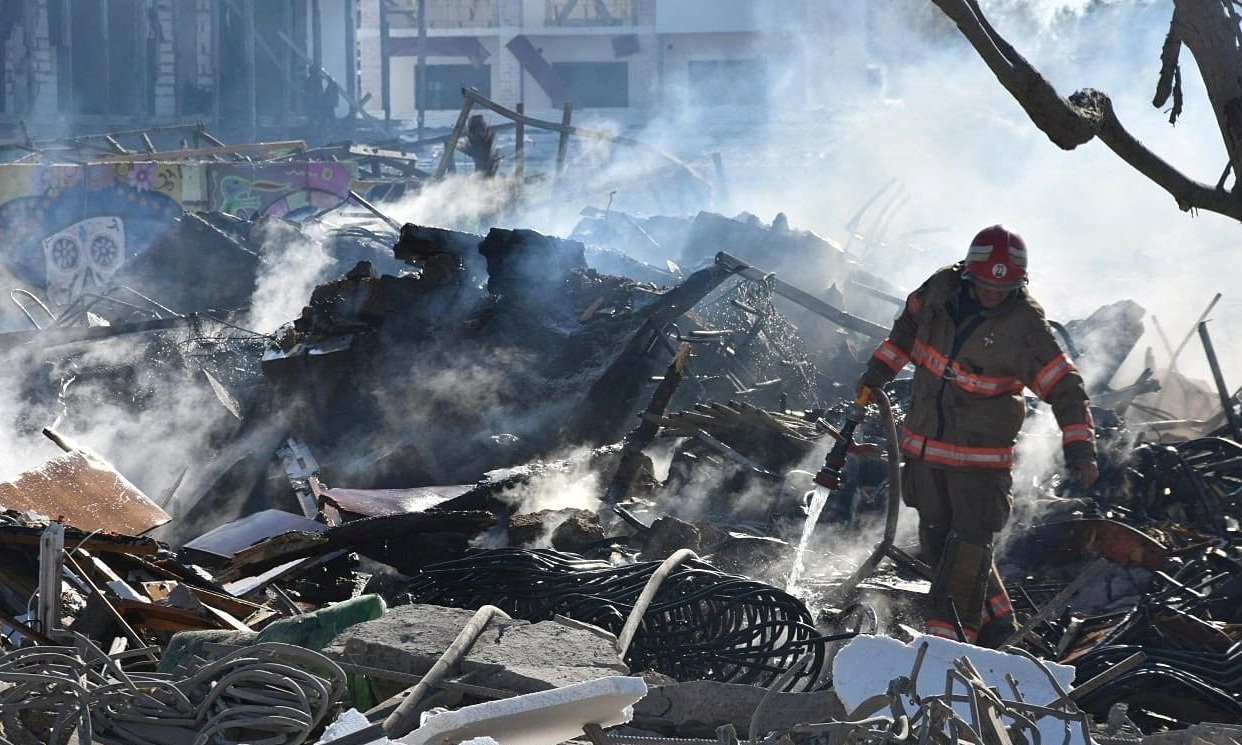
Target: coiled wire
{"type": "Point", "coordinates": [271, 693]}
{"type": "Point", "coordinates": [702, 624]}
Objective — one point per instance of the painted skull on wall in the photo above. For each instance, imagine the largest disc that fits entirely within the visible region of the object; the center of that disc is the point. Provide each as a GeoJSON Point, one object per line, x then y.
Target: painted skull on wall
{"type": "Point", "coordinates": [83, 257]}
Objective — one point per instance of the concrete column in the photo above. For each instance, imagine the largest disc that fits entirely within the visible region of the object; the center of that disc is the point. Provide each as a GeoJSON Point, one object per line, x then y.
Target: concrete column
{"type": "Point", "coordinates": [165, 65]}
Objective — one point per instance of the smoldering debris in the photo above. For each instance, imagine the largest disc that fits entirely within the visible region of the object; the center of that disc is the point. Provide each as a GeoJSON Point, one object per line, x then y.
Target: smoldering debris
{"type": "Point", "coordinates": [457, 438]}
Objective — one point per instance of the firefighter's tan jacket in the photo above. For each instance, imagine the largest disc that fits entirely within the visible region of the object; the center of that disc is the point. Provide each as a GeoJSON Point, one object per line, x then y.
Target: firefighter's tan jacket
{"type": "Point", "coordinates": [968, 404]}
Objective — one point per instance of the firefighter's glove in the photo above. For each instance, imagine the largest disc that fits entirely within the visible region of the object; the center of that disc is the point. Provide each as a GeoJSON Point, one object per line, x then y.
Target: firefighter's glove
{"type": "Point", "coordinates": [1086, 471]}
{"type": "Point", "coordinates": [869, 379]}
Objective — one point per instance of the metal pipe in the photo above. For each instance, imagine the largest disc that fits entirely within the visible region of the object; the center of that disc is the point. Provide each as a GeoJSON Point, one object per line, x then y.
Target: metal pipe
{"type": "Point", "coordinates": [1231, 408]}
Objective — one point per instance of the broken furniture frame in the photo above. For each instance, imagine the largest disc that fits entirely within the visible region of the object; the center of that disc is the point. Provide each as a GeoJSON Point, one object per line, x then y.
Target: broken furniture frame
{"type": "Point", "coordinates": [90, 147]}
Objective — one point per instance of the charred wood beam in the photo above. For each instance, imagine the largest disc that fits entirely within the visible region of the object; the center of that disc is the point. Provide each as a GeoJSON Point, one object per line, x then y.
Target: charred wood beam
{"type": "Point", "coordinates": [450, 145]}
{"type": "Point", "coordinates": [119, 620]}
{"type": "Point", "coordinates": [21, 535]}
{"type": "Point", "coordinates": [1202, 26]}
{"type": "Point", "coordinates": [642, 435]}
{"type": "Point", "coordinates": [620, 382]}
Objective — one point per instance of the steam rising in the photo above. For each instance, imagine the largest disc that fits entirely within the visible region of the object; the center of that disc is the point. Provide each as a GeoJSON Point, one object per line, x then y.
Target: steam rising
{"type": "Point", "coordinates": [294, 263]}
{"type": "Point", "coordinates": [853, 108]}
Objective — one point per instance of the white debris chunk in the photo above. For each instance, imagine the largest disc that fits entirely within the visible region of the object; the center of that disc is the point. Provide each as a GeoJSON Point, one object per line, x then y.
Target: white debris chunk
{"type": "Point", "coordinates": [865, 667]}
{"type": "Point", "coordinates": [349, 722]}
{"type": "Point", "coordinates": [542, 718]}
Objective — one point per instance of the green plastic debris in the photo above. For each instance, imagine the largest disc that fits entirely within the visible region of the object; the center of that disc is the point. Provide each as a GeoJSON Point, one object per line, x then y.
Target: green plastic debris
{"type": "Point", "coordinates": [314, 630]}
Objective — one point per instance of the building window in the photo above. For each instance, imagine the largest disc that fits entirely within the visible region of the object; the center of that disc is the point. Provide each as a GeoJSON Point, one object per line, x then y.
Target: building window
{"type": "Point", "coordinates": [595, 84]}
{"type": "Point", "coordinates": [103, 67]}
{"type": "Point", "coordinates": [191, 99]}
{"type": "Point", "coordinates": [733, 82]}
{"type": "Point", "coordinates": [444, 84]}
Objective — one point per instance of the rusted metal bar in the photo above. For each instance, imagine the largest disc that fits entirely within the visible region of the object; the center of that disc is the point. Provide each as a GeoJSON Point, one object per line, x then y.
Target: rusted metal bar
{"type": "Point", "coordinates": [374, 210]}
{"type": "Point", "coordinates": [519, 148]}
{"type": "Point", "coordinates": [1202, 317]}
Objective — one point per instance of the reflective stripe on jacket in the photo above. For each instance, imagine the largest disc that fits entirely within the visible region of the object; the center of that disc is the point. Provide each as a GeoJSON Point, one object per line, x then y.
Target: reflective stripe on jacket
{"type": "Point", "coordinates": [969, 376]}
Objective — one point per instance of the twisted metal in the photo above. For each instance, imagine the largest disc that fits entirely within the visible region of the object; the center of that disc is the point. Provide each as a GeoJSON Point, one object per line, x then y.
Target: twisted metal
{"type": "Point", "coordinates": [986, 712]}
{"type": "Point", "coordinates": [701, 625]}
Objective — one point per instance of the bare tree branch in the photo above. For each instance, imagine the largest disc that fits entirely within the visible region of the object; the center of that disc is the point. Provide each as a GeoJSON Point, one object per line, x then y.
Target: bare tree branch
{"type": "Point", "coordinates": [1188, 193]}
{"type": "Point", "coordinates": [1169, 82]}
{"type": "Point", "coordinates": [1200, 25]}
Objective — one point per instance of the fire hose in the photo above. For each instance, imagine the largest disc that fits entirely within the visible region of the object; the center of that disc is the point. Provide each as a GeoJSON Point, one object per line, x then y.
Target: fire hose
{"type": "Point", "coordinates": [885, 547]}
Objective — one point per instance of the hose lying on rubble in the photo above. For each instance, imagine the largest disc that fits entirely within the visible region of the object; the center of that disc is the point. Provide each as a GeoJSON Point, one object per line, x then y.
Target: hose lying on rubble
{"type": "Point", "coordinates": [264, 693]}
{"type": "Point", "coordinates": [702, 623]}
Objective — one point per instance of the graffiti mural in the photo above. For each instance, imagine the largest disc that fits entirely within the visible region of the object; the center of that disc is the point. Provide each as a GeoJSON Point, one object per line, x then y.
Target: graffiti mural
{"type": "Point", "coordinates": [83, 257]}
{"type": "Point", "coordinates": [289, 190]}
{"type": "Point", "coordinates": [67, 229]}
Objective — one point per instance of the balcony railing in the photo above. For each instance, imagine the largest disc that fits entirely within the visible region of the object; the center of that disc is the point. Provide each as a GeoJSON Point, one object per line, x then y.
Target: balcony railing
{"type": "Point", "coordinates": [443, 13]}
{"type": "Point", "coordinates": [591, 12]}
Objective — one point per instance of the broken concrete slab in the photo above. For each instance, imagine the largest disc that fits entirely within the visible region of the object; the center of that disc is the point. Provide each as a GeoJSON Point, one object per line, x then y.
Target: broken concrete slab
{"type": "Point", "coordinates": [697, 708]}
{"type": "Point", "coordinates": [513, 655]}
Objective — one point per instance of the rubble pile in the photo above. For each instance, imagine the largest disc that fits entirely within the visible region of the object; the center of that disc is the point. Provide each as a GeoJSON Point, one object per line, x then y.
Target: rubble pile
{"type": "Point", "coordinates": [527, 487]}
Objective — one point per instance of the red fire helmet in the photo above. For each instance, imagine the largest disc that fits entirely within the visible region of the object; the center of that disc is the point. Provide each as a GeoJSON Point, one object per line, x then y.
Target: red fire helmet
{"type": "Point", "coordinates": [997, 259]}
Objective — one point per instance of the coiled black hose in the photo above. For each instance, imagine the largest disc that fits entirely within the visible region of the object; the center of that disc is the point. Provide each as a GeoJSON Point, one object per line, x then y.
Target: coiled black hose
{"type": "Point", "coordinates": [702, 625]}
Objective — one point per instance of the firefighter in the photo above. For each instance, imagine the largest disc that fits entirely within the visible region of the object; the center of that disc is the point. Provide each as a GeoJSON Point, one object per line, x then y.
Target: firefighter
{"type": "Point", "coordinates": [976, 339]}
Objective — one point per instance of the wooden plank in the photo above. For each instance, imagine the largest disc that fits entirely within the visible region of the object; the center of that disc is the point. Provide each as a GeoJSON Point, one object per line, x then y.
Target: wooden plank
{"type": "Point", "coordinates": [562, 147]}
{"type": "Point", "coordinates": [451, 145]}
{"type": "Point", "coordinates": [255, 147]}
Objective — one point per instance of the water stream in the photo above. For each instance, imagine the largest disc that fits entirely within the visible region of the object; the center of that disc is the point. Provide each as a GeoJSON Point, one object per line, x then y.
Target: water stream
{"type": "Point", "coordinates": [819, 498]}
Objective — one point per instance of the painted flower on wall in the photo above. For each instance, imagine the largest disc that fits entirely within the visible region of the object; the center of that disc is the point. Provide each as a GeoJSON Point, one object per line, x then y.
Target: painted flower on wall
{"type": "Point", "coordinates": [51, 180]}
{"type": "Point", "coordinates": [141, 176]}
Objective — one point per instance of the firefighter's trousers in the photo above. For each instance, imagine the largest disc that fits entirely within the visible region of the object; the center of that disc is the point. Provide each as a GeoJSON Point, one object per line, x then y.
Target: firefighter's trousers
{"type": "Point", "coordinates": [960, 510]}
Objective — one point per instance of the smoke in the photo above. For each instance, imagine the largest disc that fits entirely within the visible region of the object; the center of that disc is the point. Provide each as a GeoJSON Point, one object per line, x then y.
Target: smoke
{"type": "Point", "coordinates": [468, 202]}
{"type": "Point", "coordinates": [573, 484]}
{"type": "Point", "coordinates": [294, 262]}
{"type": "Point", "coordinates": [133, 400]}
